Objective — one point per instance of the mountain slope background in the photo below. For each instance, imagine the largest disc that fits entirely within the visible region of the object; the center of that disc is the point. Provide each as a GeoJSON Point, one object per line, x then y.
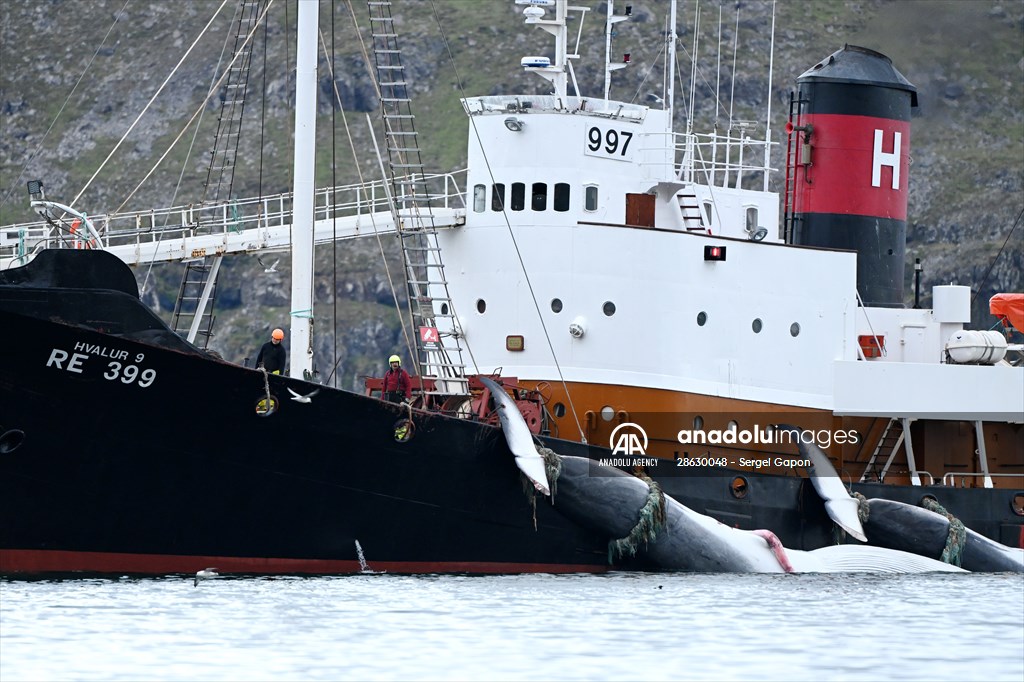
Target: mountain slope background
{"type": "Point", "coordinates": [76, 74]}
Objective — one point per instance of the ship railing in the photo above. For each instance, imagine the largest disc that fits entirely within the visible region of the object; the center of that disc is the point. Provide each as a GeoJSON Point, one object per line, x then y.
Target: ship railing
{"type": "Point", "coordinates": [18, 242]}
{"type": "Point", "coordinates": [729, 160]}
{"type": "Point", "coordinates": [950, 478]}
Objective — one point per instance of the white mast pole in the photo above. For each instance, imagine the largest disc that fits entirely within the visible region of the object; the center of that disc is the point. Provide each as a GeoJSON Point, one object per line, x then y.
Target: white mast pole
{"type": "Point", "coordinates": [670, 96]}
{"type": "Point", "coordinates": [301, 342]}
{"type": "Point", "coordinates": [768, 116]}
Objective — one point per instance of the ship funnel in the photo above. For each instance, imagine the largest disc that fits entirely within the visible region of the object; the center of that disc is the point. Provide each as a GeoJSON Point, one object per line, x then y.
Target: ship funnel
{"type": "Point", "coordinates": [849, 141]}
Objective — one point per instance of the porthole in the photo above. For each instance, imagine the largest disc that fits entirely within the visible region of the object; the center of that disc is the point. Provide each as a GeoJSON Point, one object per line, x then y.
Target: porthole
{"type": "Point", "coordinates": [1017, 504]}
{"type": "Point", "coordinates": [481, 305]}
{"type": "Point", "coordinates": [738, 487]}
{"type": "Point", "coordinates": [698, 423]}
{"type": "Point", "coordinates": [794, 329]}
{"type": "Point", "coordinates": [404, 430]}
{"type": "Point", "coordinates": [11, 440]}
{"type": "Point", "coordinates": [444, 308]}
{"type": "Point", "coordinates": [702, 318]}
{"type": "Point", "coordinates": [556, 305]}
{"type": "Point", "coordinates": [608, 308]}
{"type": "Point", "coordinates": [559, 409]}
{"type": "Point", "coordinates": [265, 407]}
{"type": "Point", "coordinates": [733, 426]}
{"type": "Point", "coordinates": [607, 413]}
{"type": "Point", "coordinates": [756, 325]}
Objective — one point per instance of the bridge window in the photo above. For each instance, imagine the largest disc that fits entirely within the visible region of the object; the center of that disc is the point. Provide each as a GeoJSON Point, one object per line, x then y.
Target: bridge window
{"type": "Point", "coordinates": [590, 197]}
{"type": "Point", "coordinates": [518, 196]}
{"type": "Point", "coordinates": [479, 198]}
{"type": "Point", "coordinates": [498, 197]}
{"type": "Point", "coordinates": [540, 196]}
{"type": "Point", "coordinates": [561, 196]}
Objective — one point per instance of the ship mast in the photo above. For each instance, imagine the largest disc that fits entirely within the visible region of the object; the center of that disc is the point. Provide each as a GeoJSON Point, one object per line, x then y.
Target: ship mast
{"type": "Point", "coordinates": [301, 346]}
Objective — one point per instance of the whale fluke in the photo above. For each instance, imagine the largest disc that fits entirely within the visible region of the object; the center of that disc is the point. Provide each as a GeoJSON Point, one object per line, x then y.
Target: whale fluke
{"type": "Point", "coordinates": [518, 437]}
{"type": "Point", "coordinates": [843, 509]}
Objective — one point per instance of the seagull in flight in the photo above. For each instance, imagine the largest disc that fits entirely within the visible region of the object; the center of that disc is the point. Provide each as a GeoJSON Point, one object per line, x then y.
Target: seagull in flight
{"type": "Point", "coordinates": [268, 268]}
{"type": "Point", "coordinates": [203, 575]}
{"type": "Point", "coordinates": [303, 398]}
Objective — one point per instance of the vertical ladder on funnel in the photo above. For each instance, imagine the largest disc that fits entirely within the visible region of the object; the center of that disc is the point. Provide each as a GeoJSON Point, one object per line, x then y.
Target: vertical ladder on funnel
{"type": "Point", "coordinates": [436, 331]}
{"type": "Point", "coordinates": [193, 311]}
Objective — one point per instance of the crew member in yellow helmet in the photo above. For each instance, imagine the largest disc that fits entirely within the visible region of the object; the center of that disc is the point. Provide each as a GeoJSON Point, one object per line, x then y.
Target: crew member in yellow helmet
{"type": "Point", "coordinates": [397, 383]}
{"type": "Point", "coordinates": [272, 356]}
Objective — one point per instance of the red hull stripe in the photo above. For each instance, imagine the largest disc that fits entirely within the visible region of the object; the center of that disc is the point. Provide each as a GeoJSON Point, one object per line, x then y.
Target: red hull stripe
{"type": "Point", "coordinates": [844, 158]}
{"type": "Point", "coordinates": [52, 561]}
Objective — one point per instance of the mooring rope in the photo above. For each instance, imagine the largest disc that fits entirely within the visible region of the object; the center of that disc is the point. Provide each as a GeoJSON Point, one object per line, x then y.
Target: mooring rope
{"type": "Point", "coordinates": [652, 519]}
{"type": "Point", "coordinates": [952, 553]}
{"type": "Point", "coordinates": [266, 385]}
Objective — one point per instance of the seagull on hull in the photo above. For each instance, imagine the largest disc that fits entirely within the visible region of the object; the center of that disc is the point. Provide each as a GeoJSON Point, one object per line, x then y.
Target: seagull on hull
{"type": "Point", "coordinates": [203, 575]}
{"type": "Point", "coordinates": [299, 398]}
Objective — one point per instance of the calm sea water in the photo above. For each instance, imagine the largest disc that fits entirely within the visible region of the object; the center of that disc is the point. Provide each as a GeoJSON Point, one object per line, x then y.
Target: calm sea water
{"type": "Point", "coordinates": [531, 627]}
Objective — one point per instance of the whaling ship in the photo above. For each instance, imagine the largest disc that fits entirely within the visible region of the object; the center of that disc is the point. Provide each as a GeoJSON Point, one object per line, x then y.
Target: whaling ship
{"type": "Point", "coordinates": [646, 304]}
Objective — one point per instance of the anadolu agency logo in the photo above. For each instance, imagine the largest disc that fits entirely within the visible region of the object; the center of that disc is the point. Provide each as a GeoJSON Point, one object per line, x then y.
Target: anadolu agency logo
{"type": "Point", "coordinates": [630, 441]}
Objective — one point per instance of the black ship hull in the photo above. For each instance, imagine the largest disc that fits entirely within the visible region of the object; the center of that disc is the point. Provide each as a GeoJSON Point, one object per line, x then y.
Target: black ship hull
{"type": "Point", "coordinates": [125, 450]}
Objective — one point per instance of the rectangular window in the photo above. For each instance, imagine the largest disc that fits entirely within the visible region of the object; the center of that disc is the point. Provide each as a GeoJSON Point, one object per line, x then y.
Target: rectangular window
{"type": "Point", "coordinates": [540, 196]}
{"type": "Point", "coordinates": [518, 196]}
{"type": "Point", "coordinates": [479, 198]}
{"type": "Point", "coordinates": [707, 214]}
{"type": "Point", "coordinates": [561, 196]}
{"type": "Point", "coordinates": [498, 197]}
{"type": "Point", "coordinates": [751, 219]}
{"type": "Point", "coordinates": [590, 198]}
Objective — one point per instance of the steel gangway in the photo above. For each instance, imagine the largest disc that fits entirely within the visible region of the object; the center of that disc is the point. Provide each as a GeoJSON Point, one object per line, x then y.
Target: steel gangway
{"type": "Point", "coordinates": [254, 224]}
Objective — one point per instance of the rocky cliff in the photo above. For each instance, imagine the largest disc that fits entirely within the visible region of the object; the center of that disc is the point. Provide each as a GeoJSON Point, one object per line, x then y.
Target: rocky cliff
{"type": "Point", "coordinates": [75, 75]}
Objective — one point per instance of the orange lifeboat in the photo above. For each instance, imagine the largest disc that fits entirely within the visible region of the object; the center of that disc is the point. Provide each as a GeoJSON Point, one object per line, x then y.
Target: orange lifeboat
{"type": "Point", "coordinates": [1009, 308]}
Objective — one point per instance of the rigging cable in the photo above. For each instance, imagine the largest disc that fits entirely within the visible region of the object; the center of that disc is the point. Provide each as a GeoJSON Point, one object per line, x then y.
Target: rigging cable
{"type": "Point", "coordinates": [508, 225]}
{"type": "Point", "coordinates": [184, 128]}
{"type": "Point", "coordinates": [334, 214]}
{"type": "Point", "coordinates": [362, 182]}
{"type": "Point", "coordinates": [993, 263]}
{"type": "Point", "coordinates": [188, 155]}
{"type": "Point", "coordinates": [21, 174]}
{"type": "Point", "coordinates": [149, 104]}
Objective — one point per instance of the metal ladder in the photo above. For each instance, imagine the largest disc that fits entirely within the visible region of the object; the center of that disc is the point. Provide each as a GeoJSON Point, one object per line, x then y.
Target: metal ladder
{"type": "Point", "coordinates": [889, 443]}
{"type": "Point", "coordinates": [691, 212]}
{"type": "Point", "coordinates": [193, 310]}
{"type": "Point", "coordinates": [439, 353]}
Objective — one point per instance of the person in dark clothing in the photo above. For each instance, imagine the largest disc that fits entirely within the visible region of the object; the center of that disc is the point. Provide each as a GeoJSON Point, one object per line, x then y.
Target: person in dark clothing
{"type": "Point", "coordinates": [272, 355]}
{"type": "Point", "coordinates": [397, 383]}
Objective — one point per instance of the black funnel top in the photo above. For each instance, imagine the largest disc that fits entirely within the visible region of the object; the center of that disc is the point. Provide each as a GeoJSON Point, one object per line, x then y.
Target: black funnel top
{"type": "Point", "coordinates": [862, 66]}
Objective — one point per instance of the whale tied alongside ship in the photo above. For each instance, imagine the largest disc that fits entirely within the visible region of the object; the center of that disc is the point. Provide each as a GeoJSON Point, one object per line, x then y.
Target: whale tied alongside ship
{"type": "Point", "coordinates": [902, 538]}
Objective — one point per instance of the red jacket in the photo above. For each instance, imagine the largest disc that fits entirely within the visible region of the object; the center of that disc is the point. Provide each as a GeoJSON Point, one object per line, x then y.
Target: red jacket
{"type": "Point", "coordinates": [398, 380]}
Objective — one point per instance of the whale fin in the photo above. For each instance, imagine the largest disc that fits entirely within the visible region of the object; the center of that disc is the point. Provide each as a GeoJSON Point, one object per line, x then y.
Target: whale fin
{"type": "Point", "coordinates": [518, 437]}
{"type": "Point", "coordinates": [841, 507]}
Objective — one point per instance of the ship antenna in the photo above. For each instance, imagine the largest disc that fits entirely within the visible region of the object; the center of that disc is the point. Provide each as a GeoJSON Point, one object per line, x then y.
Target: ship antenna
{"type": "Point", "coordinates": [735, 42]}
{"type": "Point", "coordinates": [768, 116]}
{"type": "Point", "coordinates": [609, 32]}
{"type": "Point", "coordinates": [718, 74]}
{"type": "Point", "coordinates": [693, 65]}
{"type": "Point", "coordinates": [670, 91]}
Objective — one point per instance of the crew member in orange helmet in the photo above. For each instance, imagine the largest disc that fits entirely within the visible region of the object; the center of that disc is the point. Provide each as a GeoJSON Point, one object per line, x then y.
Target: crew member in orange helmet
{"type": "Point", "coordinates": [272, 355]}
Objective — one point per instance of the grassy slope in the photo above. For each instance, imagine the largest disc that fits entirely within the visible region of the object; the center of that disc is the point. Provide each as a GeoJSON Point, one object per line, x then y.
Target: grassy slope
{"type": "Point", "coordinates": [964, 57]}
